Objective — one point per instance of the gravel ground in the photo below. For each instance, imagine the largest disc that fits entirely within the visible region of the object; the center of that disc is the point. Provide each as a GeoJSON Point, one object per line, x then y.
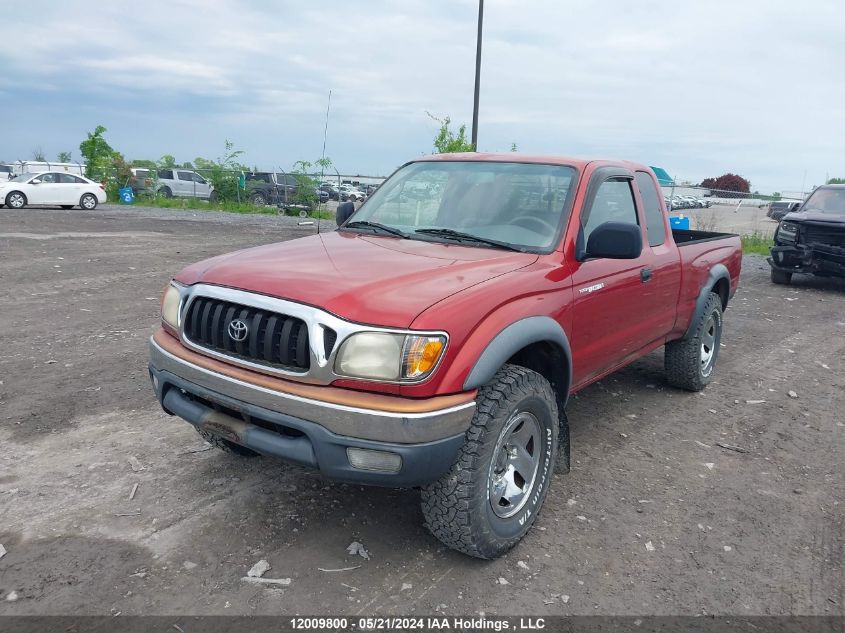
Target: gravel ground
{"type": "Point", "coordinates": [655, 517]}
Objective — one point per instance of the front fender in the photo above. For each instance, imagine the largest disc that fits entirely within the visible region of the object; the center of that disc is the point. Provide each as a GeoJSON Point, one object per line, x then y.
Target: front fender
{"type": "Point", "coordinates": [512, 339]}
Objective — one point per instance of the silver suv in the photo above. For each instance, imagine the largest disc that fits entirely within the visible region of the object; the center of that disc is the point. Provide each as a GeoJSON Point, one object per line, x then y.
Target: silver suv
{"type": "Point", "coordinates": [171, 183]}
{"type": "Point", "coordinates": [182, 183]}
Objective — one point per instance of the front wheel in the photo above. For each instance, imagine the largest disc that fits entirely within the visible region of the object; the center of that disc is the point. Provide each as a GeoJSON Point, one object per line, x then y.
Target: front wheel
{"type": "Point", "coordinates": [16, 200]}
{"type": "Point", "coordinates": [491, 496]}
{"type": "Point", "coordinates": [690, 362]}
{"type": "Point", "coordinates": [88, 201]}
{"type": "Point", "coordinates": [781, 277]}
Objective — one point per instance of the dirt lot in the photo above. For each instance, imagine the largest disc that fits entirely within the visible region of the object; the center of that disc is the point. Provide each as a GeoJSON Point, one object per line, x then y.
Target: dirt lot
{"type": "Point", "coordinates": [655, 517]}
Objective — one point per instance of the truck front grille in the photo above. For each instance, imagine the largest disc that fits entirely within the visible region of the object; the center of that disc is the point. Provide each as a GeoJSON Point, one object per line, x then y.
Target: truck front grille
{"type": "Point", "coordinates": [814, 233]}
{"type": "Point", "coordinates": [272, 339]}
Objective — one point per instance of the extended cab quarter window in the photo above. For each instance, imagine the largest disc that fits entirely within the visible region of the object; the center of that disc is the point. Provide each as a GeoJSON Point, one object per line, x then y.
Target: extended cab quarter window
{"type": "Point", "coordinates": [653, 212]}
{"type": "Point", "coordinates": [614, 202]}
{"type": "Point", "coordinates": [165, 174]}
{"type": "Point", "coordinates": [185, 175]}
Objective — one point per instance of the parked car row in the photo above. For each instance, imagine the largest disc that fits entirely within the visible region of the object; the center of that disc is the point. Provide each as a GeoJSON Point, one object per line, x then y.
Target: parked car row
{"type": "Point", "coordinates": [685, 202]}
{"type": "Point", "coordinates": [347, 192]}
{"type": "Point", "coordinates": [261, 187]}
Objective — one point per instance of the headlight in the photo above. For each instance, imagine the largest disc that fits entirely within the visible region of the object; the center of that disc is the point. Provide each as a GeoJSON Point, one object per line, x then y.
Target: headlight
{"type": "Point", "coordinates": [388, 356]}
{"type": "Point", "coordinates": [170, 305]}
{"type": "Point", "coordinates": [788, 231]}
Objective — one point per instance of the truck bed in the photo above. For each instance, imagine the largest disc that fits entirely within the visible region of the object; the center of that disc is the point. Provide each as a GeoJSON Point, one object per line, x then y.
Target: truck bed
{"type": "Point", "coordinates": [685, 237]}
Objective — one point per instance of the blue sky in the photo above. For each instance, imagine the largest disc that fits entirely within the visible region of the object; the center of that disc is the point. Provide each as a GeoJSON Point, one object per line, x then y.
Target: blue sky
{"type": "Point", "coordinates": [699, 88]}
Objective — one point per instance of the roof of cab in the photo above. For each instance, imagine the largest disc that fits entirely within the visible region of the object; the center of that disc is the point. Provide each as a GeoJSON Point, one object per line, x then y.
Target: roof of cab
{"type": "Point", "coordinates": [516, 157]}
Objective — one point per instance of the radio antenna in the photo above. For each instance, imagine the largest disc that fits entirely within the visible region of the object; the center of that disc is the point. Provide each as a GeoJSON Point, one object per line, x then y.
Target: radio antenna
{"type": "Point", "coordinates": [323, 157]}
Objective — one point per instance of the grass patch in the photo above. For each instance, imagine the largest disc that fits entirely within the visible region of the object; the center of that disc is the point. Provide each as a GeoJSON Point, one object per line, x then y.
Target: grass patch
{"type": "Point", "coordinates": [756, 244]}
{"type": "Point", "coordinates": [195, 204]}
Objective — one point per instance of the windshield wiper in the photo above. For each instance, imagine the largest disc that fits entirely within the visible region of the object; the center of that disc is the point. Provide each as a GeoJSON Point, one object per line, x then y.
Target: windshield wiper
{"type": "Point", "coordinates": [376, 226]}
{"type": "Point", "coordinates": [469, 237]}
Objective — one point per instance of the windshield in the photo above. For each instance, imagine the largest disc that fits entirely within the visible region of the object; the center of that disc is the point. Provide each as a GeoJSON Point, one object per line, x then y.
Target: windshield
{"type": "Point", "coordinates": [518, 204]}
{"type": "Point", "coordinates": [826, 201]}
{"type": "Point", "coordinates": [24, 177]}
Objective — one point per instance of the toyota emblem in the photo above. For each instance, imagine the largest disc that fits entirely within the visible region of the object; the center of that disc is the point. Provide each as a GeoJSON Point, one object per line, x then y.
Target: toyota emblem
{"type": "Point", "coordinates": [238, 330]}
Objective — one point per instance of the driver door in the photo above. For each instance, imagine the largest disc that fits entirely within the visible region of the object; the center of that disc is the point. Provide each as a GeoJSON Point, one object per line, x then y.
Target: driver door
{"type": "Point", "coordinates": [44, 189]}
{"type": "Point", "coordinates": [613, 297]}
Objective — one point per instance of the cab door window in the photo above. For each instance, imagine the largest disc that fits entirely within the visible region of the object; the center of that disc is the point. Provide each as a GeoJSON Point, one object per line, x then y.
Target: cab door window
{"type": "Point", "coordinates": [654, 222]}
{"type": "Point", "coordinates": [614, 202]}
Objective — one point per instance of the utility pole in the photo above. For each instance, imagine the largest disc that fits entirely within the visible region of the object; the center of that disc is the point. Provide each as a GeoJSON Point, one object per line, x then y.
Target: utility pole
{"type": "Point", "coordinates": [477, 76]}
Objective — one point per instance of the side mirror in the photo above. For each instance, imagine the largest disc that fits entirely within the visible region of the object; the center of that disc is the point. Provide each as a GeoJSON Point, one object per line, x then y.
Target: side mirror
{"type": "Point", "coordinates": [344, 211]}
{"type": "Point", "coordinates": [615, 240]}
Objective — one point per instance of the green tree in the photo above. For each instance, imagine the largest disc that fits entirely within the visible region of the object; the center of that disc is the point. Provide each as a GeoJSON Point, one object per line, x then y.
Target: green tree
{"type": "Point", "coordinates": [63, 157]}
{"type": "Point", "coordinates": [447, 141]}
{"type": "Point", "coordinates": [306, 183]}
{"type": "Point", "coordinates": [144, 164]}
{"type": "Point", "coordinates": [776, 195]}
{"type": "Point", "coordinates": [223, 172]}
{"type": "Point", "coordinates": [167, 161]}
{"type": "Point", "coordinates": [97, 153]}
{"type": "Point", "coordinates": [836, 181]}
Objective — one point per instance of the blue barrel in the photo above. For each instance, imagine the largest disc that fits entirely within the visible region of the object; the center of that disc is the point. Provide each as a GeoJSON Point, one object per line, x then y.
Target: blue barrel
{"type": "Point", "coordinates": [127, 196]}
{"type": "Point", "coordinates": [679, 223]}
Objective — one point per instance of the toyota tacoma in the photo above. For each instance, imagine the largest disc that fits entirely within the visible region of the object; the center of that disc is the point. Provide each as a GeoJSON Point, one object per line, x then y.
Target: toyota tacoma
{"type": "Point", "coordinates": [434, 340]}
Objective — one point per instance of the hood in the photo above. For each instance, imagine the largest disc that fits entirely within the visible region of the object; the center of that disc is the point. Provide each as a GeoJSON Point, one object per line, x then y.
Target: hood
{"type": "Point", "coordinates": [815, 216]}
{"type": "Point", "coordinates": [363, 278]}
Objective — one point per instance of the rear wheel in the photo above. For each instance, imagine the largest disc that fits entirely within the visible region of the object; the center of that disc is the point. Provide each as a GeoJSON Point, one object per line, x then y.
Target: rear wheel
{"type": "Point", "coordinates": [16, 200]}
{"type": "Point", "coordinates": [491, 496]}
{"type": "Point", "coordinates": [225, 445]}
{"type": "Point", "coordinates": [88, 201]}
{"type": "Point", "coordinates": [781, 277]}
{"type": "Point", "coordinates": [690, 362]}
{"type": "Point", "coordinates": [165, 192]}
{"type": "Point", "coordinates": [258, 199]}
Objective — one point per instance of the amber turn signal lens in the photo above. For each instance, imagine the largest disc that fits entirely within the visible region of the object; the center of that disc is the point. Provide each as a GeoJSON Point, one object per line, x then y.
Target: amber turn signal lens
{"type": "Point", "coordinates": [421, 355]}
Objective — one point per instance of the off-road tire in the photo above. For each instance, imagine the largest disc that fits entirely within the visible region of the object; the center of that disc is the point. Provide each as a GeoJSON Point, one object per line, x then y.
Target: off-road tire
{"type": "Point", "coordinates": [225, 445]}
{"type": "Point", "coordinates": [684, 359]}
{"type": "Point", "coordinates": [780, 277]}
{"type": "Point", "coordinates": [457, 508]}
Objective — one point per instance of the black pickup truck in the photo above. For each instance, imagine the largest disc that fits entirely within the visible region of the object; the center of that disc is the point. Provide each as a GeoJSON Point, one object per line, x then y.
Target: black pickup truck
{"type": "Point", "coordinates": [267, 187]}
{"type": "Point", "coordinates": [811, 239]}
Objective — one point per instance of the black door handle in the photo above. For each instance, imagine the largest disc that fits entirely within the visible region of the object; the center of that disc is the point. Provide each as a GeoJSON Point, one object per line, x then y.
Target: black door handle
{"type": "Point", "coordinates": [645, 275]}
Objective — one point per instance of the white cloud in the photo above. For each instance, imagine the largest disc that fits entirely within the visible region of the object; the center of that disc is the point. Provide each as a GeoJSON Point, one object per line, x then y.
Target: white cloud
{"type": "Point", "coordinates": [698, 87]}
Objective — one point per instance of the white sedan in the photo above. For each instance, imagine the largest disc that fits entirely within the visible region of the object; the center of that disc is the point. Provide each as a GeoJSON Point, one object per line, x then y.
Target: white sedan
{"type": "Point", "coordinates": [52, 188]}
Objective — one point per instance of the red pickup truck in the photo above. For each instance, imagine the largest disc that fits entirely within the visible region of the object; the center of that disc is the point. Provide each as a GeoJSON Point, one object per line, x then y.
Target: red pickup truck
{"type": "Point", "coordinates": [434, 338]}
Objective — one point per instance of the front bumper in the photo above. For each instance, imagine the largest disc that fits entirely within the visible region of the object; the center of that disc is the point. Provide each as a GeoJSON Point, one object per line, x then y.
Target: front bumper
{"type": "Point", "coordinates": [304, 430]}
{"type": "Point", "coordinates": [816, 259]}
